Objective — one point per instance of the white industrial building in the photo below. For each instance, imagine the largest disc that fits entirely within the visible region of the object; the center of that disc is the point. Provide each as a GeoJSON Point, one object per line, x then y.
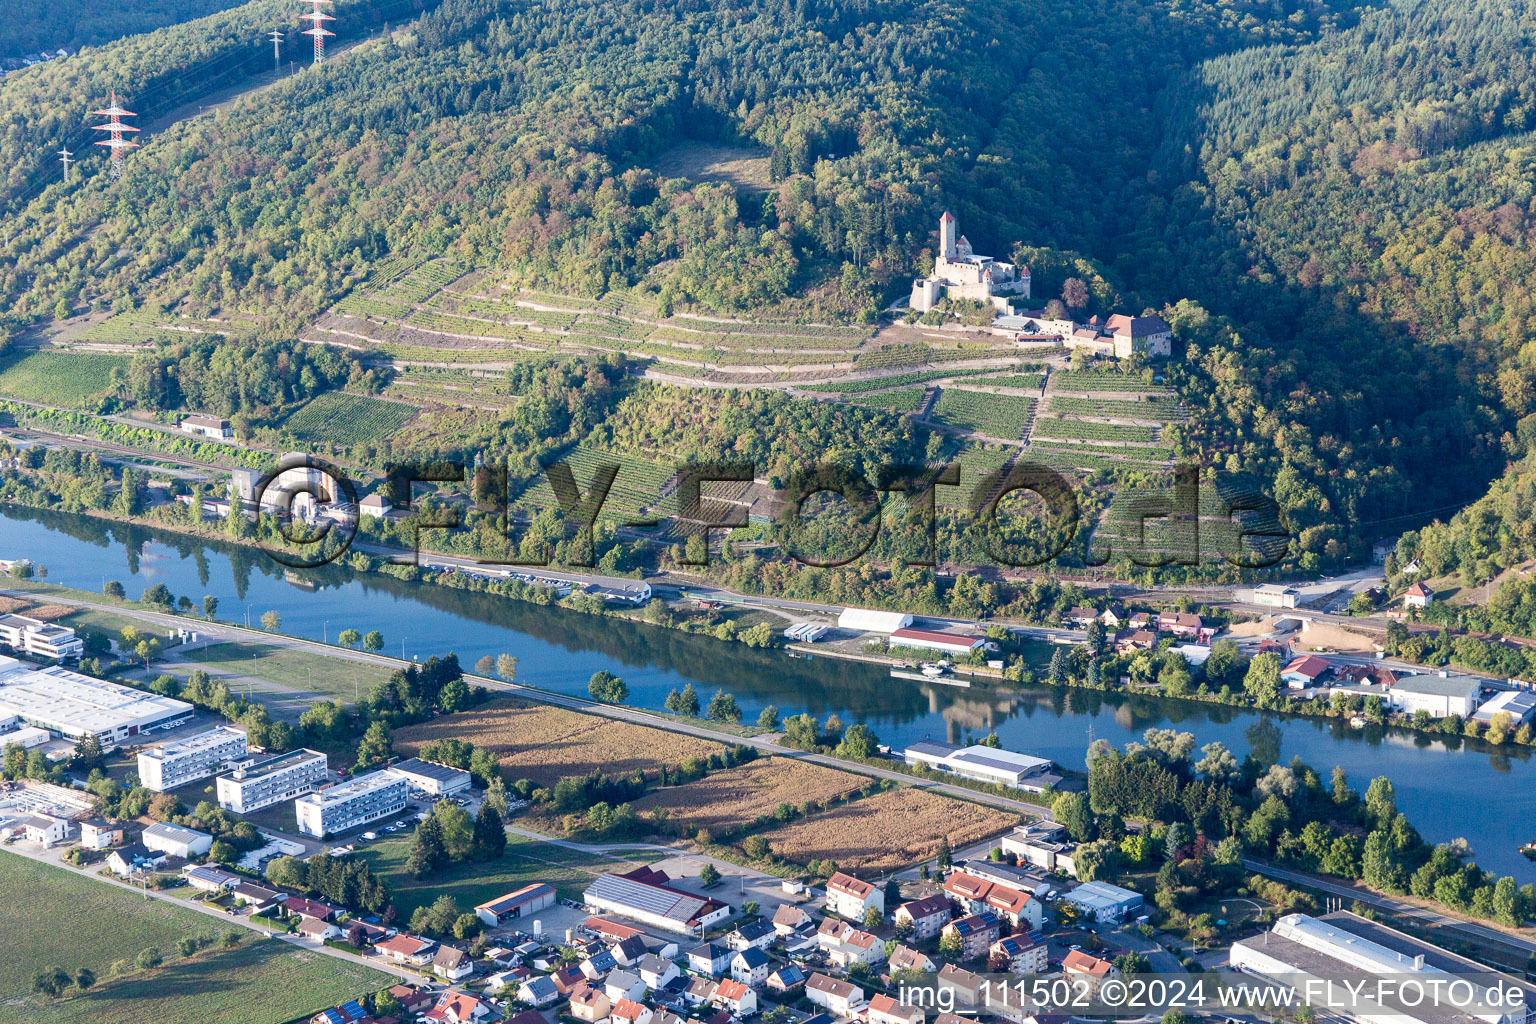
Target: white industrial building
{"type": "Point", "coordinates": [24, 736]}
{"type": "Point", "coordinates": [1103, 902]}
{"type": "Point", "coordinates": [865, 620]}
{"type": "Point", "coordinates": [1303, 952]}
{"type": "Point", "coordinates": [351, 803]}
{"type": "Point", "coordinates": [431, 778]}
{"type": "Point", "coordinates": [1275, 595]}
{"type": "Point", "coordinates": [175, 764]}
{"type": "Point", "coordinates": [270, 781]}
{"type": "Point", "coordinates": [984, 764]}
{"type": "Point", "coordinates": [74, 706]}
{"type": "Point", "coordinates": [176, 840]}
{"type": "Point", "coordinates": [643, 895]}
{"type": "Point", "coordinates": [1519, 705]}
{"type": "Point", "coordinates": [1441, 694]}
{"type": "Point", "coordinates": [38, 638]}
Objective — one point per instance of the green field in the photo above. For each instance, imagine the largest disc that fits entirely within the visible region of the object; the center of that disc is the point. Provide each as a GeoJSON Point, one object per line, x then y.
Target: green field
{"type": "Point", "coordinates": [64, 379]}
{"type": "Point", "coordinates": [525, 861]}
{"type": "Point", "coordinates": [296, 670]}
{"type": "Point", "coordinates": [51, 917]}
{"type": "Point", "coordinates": [339, 418]}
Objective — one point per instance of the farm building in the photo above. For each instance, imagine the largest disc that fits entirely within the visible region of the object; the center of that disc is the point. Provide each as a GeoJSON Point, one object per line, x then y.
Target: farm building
{"type": "Point", "coordinates": [929, 640]}
{"type": "Point", "coordinates": [644, 895]}
{"type": "Point", "coordinates": [530, 899]}
{"type": "Point", "coordinates": [864, 620]}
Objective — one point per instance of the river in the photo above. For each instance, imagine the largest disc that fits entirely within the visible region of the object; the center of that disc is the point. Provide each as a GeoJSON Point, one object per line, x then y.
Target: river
{"type": "Point", "coordinates": [1448, 787]}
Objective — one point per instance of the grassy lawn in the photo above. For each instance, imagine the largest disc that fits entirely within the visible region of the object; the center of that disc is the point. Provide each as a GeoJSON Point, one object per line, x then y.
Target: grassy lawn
{"type": "Point", "coordinates": [297, 670]}
{"type": "Point", "coordinates": [472, 883]}
{"type": "Point", "coordinates": [52, 917]}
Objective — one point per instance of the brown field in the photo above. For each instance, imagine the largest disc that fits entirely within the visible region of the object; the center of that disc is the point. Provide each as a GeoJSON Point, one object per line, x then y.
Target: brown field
{"type": "Point", "coordinates": [887, 831]}
{"type": "Point", "coordinates": [544, 743]}
{"type": "Point", "coordinates": [747, 792]}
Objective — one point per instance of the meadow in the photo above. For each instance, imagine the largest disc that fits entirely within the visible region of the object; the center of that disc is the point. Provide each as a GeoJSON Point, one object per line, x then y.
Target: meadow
{"type": "Point", "coordinates": [64, 379]}
{"type": "Point", "coordinates": [297, 670]}
{"type": "Point", "coordinates": [62, 919]}
{"type": "Point", "coordinates": [547, 743]}
{"type": "Point", "coordinates": [740, 795]}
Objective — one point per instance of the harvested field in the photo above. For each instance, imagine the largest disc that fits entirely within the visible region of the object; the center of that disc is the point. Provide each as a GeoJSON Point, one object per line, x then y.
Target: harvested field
{"type": "Point", "coordinates": [747, 792]}
{"type": "Point", "coordinates": [887, 831]}
{"type": "Point", "coordinates": [545, 744]}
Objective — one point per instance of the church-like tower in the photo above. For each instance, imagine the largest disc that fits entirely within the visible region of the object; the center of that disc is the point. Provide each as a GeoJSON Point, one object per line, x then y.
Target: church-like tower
{"type": "Point", "coordinates": [947, 235]}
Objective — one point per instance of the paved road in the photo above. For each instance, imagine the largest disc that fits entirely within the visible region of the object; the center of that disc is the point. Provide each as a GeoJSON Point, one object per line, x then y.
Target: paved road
{"type": "Point", "coordinates": [1481, 932]}
{"type": "Point", "coordinates": [51, 857]}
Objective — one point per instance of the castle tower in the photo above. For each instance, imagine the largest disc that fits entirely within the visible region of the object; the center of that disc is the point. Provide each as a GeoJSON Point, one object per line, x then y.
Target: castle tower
{"type": "Point", "coordinates": [947, 234]}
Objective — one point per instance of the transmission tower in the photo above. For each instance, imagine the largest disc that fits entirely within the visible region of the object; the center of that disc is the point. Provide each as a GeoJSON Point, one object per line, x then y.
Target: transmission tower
{"type": "Point", "coordinates": [317, 19]}
{"type": "Point", "coordinates": [65, 154]}
{"type": "Point", "coordinates": [116, 128]}
{"type": "Point", "coordinates": [277, 53]}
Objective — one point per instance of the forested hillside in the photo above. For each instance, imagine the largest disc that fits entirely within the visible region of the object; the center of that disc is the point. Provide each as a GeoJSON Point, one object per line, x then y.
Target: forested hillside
{"type": "Point", "coordinates": [31, 25]}
{"type": "Point", "coordinates": [1331, 203]}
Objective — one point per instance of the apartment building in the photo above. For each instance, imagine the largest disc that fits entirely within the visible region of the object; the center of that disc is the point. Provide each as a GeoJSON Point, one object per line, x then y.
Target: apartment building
{"type": "Point", "coordinates": [351, 803]}
{"type": "Point", "coordinates": [175, 764]}
{"type": "Point", "coordinates": [271, 780]}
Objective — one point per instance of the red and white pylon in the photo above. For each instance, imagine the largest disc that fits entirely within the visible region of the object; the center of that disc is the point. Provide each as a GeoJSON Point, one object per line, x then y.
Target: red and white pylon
{"type": "Point", "coordinates": [115, 141]}
{"type": "Point", "coordinates": [317, 19]}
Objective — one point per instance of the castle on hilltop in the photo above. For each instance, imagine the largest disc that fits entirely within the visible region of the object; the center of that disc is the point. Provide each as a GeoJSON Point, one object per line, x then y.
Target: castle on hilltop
{"type": "Point", "coordinates": [960, 274]}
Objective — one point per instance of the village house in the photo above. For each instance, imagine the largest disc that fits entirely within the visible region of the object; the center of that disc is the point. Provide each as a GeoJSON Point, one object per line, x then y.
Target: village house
{"type": "Point", "coordinates": [125, 860]}
{"type": "Point", "coordinates": [98, 834]}
{"type": "Point", "coordinates": [412, 1000]}
{"type": "Point", "coordinates": [736, 997]}
{"type": "Point", "coordinates": [1128, 641]}
{"type": "Point", "coordinates": [789, 919]}
{"type": "Point", "coordinates": [596, 966]}
{"type": "Point", "coordinates": [1304, 672]}
{"type": "Point", "coordinates": [976, 932]}
{"type": "Point", "coordinates": [750, 967]}
{"type": "Point", "coordinates": [699, 991]}
{"type": "Point", "coordinates": [209, 879]}
{"type": "Point", "coordinates": [629, 951]}
{"type": "Point", "coordinates": [298, 906]}
{"type": "Point", "coordinates": [709, 959]}
{"type": "Point", "coordinates": [1114, 616]}
{"type": "Point", "coordinates": [623, 985]}
{"type": "Point", "coordinates": [978, 896]}
{"type": "Point", "coordinates": [885, 1010]}
{"type": "Point", "coordinates": [538, 992]}
{"type": "Point", "coordinates": [852, 897]}
{"type": "Point", "coordinates": [314, 928]}
{"type": "Point", "coordinates": [905, 958]}
{"type": "Point", "coordinates": [1180, 623]}
{"type": "Point", "coordinates": [656, 972]}
{"type": "Point", "coordinates": [1418, 596]}
{"type": "Point", "coordinates": [1080, 966]}
{"type": "Point", "coordinates": [627, 1011]}
{"type": "Point", "coordinates": [590, 1004]}
{"type": "Point", "coordinates": [406, 949]}
{"type": "Point", "coordinates": [786, 981]}
{"type": "Point", "coordinates": [927, 916]}
{"type": "Point", "coordinates": [1080, 617]}
{"type": "Point", "coordinates": [837, 997]}
{"type": "Point", "coordinates": [752, 935]}
{"type": "Point", "coordinates": [567, 979]}
{"type": "Point", "coordinates": [965, 986]}
{"type": "Point", "coordinates": [460, 1008]}
{"type": "Point", "coordinates": [452, 964]}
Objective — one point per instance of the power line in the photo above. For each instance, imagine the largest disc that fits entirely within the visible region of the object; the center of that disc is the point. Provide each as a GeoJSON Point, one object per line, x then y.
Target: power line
{"type": "Point", "coordinates": [317, 19]}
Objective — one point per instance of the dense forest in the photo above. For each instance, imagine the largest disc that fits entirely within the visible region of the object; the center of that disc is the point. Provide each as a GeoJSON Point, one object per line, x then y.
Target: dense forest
{"type": "Point", "coordinates": [1331, 204]}
{"type": "Point", "coordinates": [32, 25]}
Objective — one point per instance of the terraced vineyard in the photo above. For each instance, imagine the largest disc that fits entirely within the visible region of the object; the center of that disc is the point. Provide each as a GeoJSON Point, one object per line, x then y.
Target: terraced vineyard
{"type": "Point", "coordinates": [1086, 380]}
{"type": "Point", "coordinates": [638, 486]}
{"type": "Point", "coordinates": [853, 387]}
{"type": "Point", "coordinates": [1077, 456]}
{"type": "Point", "coordinates": [1157, 407]}
{"type": "Point", "coordinates": [142, 327]}
{"type": "Point", "coordinates": [1000, 416]}
{"type": "Point", "coordinates": [903, 400]}
{"type": "Point", "coordinates": [64, 379]}
{"type": "Point", "coordinates": [336, 417]}
{"type": "Point", "coordinates": [1090, 430]}
{"type": "Point", "coordinates": [1023, 381]}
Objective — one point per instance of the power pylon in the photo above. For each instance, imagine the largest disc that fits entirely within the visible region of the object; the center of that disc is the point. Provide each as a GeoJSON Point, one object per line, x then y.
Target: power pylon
{"type": "Point", "coordinates": [115, 141]}
{"type": "Point", "coordinates": [65, 154]}
{"type": "Point", "coordinates": [317, 19]}
{"type": "Point", "coordinates": [277, 53]}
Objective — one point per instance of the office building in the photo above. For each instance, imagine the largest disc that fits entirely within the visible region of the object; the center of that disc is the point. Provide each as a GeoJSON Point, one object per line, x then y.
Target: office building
{"type": "Point", "coordinates": [270, 781]}
{"type": "Point", "coordinates": [351, 803]}
{"type": "Point", "coordinates": [175, 764]}
{"type": "Point", "coordinates": [38, 638]}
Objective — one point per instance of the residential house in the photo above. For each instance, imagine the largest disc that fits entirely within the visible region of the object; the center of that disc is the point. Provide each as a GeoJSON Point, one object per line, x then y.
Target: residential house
{"type": "Point", "coordinates": [412, 1000]}
{"type": "Point", "coordinates": [406, 949]}
{"type": "Point", "coordinates": [1080, 617]}
{"type": "Point", "coordinates": [452, 964]}
{"type": "Point", "coordinates": [525, 1017]}
{"type": "Point", "coordinates": [538, 992]}
{"type": "Point", "coordinates": [460, 1008]}
{"type": "Point", "coordinates": [736, 997]}
{"type": "Point", "coordinates": [623, 985]}
{"type": "Point", "coordinates": [1114, 616]}
{"type": "Point", "coordinates": [965, 986]}
{"type": "Point", "coordinates": [99, 834]}
{"type": "Point", "coordinates": [502, 981]}
{"type": "Point", "coordinates": [786, 981]}
{"type": "Point", "coordinates": [834, 995]}
{"type": "Point", "coordinates": [1140, 620]}
{"type": "Point", "coordinates": [298, 906]}
{"type": "Point", "coordinates": [750, 967]}
{"type": "Point", "coordinates": [905, 958]}
{"type": "Point", "coordinates": [1128, 641]}
{"type": "Point", "coordinates": [1418, 596]}
{"type": "Point", "coordinates": [257, 897]}
{"type": "Point", "coordinates": [1022, 953]}
{"type": "Point", "coordinates": [752, 935]}
{"type": "Point", "coordinates": [627, 1011]}
{"type": "Point", "coordinates": [313, 928]}
{"type": "Point", "coordinates": [709, 959]}
{"type": "Point", "coordinates": [350, 1012]}
{"type": "Point", "coordinates": [1080, 966]}
{"type": "Point", "coordinates": [927, 916]}
{"type": "Point", "coordinates": [845, 944]}
{"type": "Point", "coordinates": [977, 932]}
{"type": "Point", "coordinates": [1304, 672]}
{"type": "Point", "coordinates": [567, 979]}
{"type": "Point", "coordinates": [629, 951]}
{"type": "Point", "coordinates": [209, 879]}
{"type": "Point", "coordinates": [852, 897]}
{"type": "Point", "coordinates": [789, 919]}
{"type": "Point", "coordinates": [1366, 675]}
{"type": "Point", "coordinates": [125, 860]}
{"type": "Point", "coordinates": [1180, 623]}
{"type": "Point", "coordinates": [699, 991]}
{"type": "Point", "coordinates": [978, 896]}
{"type": "Point", "coordinates": [885, 1010]}
{"type": "Point", "coordinates": [655, 971]}
{"type": "Point", "coordinates": [667, 1017]}
{"type": "Point", "coordinates": [594, 967]}
{"type": "Point", "coordinates": [590, 1004]}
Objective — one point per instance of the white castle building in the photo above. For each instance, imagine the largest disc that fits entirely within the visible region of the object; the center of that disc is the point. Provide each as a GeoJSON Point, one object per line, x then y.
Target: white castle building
{"type": "Point", "coordinates": [960, 274]}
